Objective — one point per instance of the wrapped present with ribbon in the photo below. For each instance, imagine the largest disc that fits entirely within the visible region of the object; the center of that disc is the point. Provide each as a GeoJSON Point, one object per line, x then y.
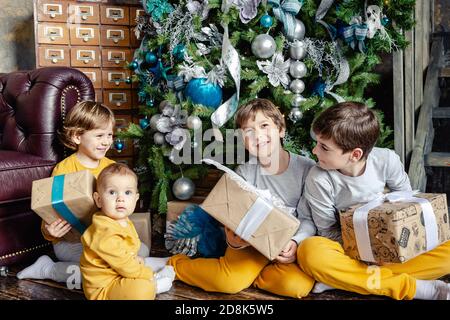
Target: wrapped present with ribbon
{"type": "Point", "coordinates": [395, 227]}
{"type": "Point", "coordinates": [143, 226]}
{"type": "Point", "coordinates": [255, 215]}
{"type": "Point", "coordinates": [67, 196]}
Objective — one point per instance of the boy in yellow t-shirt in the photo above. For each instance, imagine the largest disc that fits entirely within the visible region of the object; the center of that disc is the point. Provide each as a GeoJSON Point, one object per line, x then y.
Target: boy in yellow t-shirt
{"type": "Point", "coordinates": [110, 265]}
{"type": "Point", "coordinates": [88, 130]}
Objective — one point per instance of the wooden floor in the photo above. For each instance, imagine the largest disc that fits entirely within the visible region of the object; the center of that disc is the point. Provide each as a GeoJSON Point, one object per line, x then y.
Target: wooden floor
{"type": "Point", "coordinates": [12, 288]}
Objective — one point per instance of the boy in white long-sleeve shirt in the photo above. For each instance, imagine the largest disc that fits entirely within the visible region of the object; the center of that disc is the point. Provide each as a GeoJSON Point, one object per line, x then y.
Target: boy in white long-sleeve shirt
{"type": "Point", "coordinates": [351, 171]}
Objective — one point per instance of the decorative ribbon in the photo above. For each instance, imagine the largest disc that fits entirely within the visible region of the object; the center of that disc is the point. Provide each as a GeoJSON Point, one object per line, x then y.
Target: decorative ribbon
{"type": "Point", "coordinates": [59, 205]}
{"type": "Point", "coordinates": [355, 35]}
{"type": "Point", "coordinates": [360, 221]}
{"type": "Point", "coordinates": [286, 12]}
{"type": "Point", "coordinates": [253, 219]}
{"type": "Point", "coordinates": [225, 112]}
{"type": "Point", "coordinates": [321, 12]}
{"type": "Point", "coordinates": [176, 83]}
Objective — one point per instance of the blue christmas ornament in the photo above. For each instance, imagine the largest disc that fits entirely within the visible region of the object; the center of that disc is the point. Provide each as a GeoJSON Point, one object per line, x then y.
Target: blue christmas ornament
{"type": "Point", "coordinates": [128, 80]}
{"type": "Point", "coordinates": [118, 145]}
{"type": "Point", "coordinates": [266, 21]}
{"type": "Point", "coordinates": [151, 58]}
{"type": "Point", "coordinates": [319, 88]}
{"type": "Point", "coordinates": [196, 233]}
{"type": "Point", "coordinates": [133, 65]}
{"type": "Point", "coordinates": [178, 51]}
{"type": "Point", "coordinates": [202, 92]}
{"type": "Point", "coordinates": [150, 103]}
{"type": "Point", "coordinates": [143, 123]}
{"type": "Point", "coordinates": [385, 21]}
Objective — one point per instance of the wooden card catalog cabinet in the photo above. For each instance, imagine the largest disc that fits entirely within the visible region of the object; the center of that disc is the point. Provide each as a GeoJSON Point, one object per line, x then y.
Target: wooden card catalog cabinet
{"type": "Point", "coordinates": [97, 38]}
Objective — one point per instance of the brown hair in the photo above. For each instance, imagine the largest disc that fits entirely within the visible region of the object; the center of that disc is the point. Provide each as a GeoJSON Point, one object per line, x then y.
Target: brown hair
{"type": "Point", "coordinates": [249, 110]}
{"type": "Point", "coordinates": [114, 169]}
{"type": "Point", "coordinates": [84, 116]}
{"type": "Point", "coordinates": [350, 124]}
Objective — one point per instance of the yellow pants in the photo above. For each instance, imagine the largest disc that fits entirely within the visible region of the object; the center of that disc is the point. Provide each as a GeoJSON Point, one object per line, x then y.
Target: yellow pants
{"type": "Point", "coordinates": [123, 289]}
{"type": "Point", "coordinates": [326, 261]}
{"type": "Point", "coordinates": [238, 270]}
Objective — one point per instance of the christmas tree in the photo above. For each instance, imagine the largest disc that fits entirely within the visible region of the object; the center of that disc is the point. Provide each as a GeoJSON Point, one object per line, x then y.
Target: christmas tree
{"type": "Point", "coordinates": [200, 60]}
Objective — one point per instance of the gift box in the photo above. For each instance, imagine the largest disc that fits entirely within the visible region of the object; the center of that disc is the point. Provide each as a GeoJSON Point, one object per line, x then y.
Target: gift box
{"type": "Point", "coordinates": [143, 226]}
{"type": "Point", "coordinates": [397, 228]}
{"type": "Point", "coordinates": [176, 207]}
{"type": "Point", "coordinates": [250, 213]}
{"type": "Point", "coordinates": [68, 197]}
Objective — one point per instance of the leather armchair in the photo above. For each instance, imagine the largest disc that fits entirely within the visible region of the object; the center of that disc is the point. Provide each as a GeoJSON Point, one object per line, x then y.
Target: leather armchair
{"type": "Point", "coordinates": [33, 105]}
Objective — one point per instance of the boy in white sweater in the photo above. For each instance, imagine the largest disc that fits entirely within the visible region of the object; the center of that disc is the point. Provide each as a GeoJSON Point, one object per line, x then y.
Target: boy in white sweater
{"type": "Point", "coordinates": [351, 171]}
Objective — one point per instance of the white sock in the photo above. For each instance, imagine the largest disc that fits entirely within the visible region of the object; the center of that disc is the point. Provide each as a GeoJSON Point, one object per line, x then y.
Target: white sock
{"type": "Point", "coordinates": [320, 287]}
{"type": "Point", "coordinates": [432, 290]}
{"type": "Point", "coordinates": [155, 263]}
{"type": "Point", "coordinates": [164, 279]}
{"type": "Point", "coordinates": [38, 270]}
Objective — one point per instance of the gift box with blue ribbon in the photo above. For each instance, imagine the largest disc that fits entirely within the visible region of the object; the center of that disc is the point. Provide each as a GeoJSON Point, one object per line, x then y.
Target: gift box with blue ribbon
{"type": "Point", "coordinates": [66, 196]}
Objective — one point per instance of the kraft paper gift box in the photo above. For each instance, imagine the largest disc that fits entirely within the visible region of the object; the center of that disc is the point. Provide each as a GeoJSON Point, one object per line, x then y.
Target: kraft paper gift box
{"type": "Point", "coordinates": [395, 232]}
{"type": "Point", "coordinates": [176, 207]}
{"type": "Point", "coordinates": [233, 201]}
{"type": "Point", "coordinates": [68, 197]}
{"type": "Point", "coordinates": [143, 226]}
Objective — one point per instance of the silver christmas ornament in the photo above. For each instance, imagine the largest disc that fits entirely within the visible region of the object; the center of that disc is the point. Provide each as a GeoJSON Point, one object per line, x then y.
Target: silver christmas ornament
{"type": "Point", "coordinates": [154, 120]}
{"type": "Point", "coordinates": [297, 50]}
{"type": "Point", "coordinates": [297, 100]}
{"type": "Point", "coordinates": [295, 115]}
{"type": "Point", "coordinates": [164, 125]}
{"type": "Point", "coordinates": [158, 138]}
{"type": "Point", "coordinates": [297, 69]}
{"type": "Point", "coordinates": [194, 122]}
{"type": "Point", "coordinates": [299, 31]}
{"type": "Point", "coordinates": [263, 46]}
{"type": "Point", "coordinates": [297, 86]}
{"type": "Point", "coordinates": [183, 188]}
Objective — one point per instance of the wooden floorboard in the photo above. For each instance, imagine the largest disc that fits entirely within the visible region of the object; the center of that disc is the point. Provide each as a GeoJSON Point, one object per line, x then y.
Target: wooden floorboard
{"type": "Point", "coordinates": [12, 288]}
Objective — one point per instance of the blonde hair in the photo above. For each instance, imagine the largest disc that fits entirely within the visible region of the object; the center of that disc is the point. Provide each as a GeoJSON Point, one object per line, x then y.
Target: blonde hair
{"type": "Point", "coordinates": [249, 110]}
{"type": "Point", "coordinates": [84, 116]}
{"type": "Point", "coordinates": [114, 169]}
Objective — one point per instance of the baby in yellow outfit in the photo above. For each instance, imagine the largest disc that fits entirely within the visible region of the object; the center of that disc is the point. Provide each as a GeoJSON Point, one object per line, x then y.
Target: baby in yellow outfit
{"type": "Point", "coordinates": [110, 265]}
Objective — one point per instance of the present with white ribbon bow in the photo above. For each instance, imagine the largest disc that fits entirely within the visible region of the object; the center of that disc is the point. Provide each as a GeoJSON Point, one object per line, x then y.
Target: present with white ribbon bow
{"type": "Point", "coordinates": [395, 227]}
{"type": "Point", "coordinates": [256, 215]}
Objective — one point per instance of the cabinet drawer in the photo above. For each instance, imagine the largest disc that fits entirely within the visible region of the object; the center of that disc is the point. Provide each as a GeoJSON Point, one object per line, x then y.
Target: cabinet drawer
{"type": "Point", "coordinates": [48, 10]}
{"type": "Point", "coordinates": [53, 33]}
{"type": "Point", "coordinates": [114, 15]}
{"type": "Point", "coordinates": [98, 96]}
{"type": "Point", "coordinates": [85, 57]}
{"type": "Point", "coordinates": [84, 35]}
{"type": "Point", "coordinates": [83, 13]}
{"type": "Point", "coordinates": [53, 56]}
{"type": "Point", "coordinates": [114, 36]}
{"type": "Point", "coordinates": [115, 79]}
{"type": "Point", "coordinates": [115, 57]}
{"type": "Point", "coordinates": [134, 13]}
{"type": "Point", "coordinates": [95, 75]}
{"type": "Point", "coordinates": [117, 99]}
{"type": "Point", "coordinates": [134, 41]}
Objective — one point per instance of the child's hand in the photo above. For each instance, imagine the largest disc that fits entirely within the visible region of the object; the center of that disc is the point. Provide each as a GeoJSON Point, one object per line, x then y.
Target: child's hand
{"type": "Point", "coordinates": [58, 228]}
{"type": "Point", "coordinates": [140, 259]}
{"type": "Point", "coordinates": [234, 240]}
{"type": "Point", "coordinates": [289, 254]}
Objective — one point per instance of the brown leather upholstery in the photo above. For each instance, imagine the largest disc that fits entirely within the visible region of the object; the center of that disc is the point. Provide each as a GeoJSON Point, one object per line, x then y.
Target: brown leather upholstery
{"type": "Point", "coordinates": [32, 107]}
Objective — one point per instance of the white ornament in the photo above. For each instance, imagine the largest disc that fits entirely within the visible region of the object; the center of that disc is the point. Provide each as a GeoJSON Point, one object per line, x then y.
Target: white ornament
{"type": "Point", "coordinates": [297, 69]}
{"type": "Point", "coordinates": [276, 70]}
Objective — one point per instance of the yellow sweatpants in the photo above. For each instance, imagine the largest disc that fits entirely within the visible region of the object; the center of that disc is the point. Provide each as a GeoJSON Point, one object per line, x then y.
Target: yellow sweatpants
{"type": "Point", "coordinates": [325, 261]}
{"type": "Point", "coordinates": [124, 289]}
{"type": "Point", "coordinates": [238, 270]}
